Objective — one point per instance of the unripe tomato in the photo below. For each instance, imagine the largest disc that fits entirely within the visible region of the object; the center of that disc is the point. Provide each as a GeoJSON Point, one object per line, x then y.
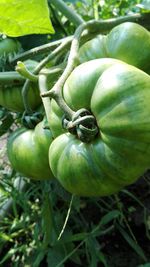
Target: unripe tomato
{"type": "Point", "coordinates": [9, 46]}
{"type": "Point", "coordinates": [11, 95]}
{"type": "Point", "coordinates": [28, 151]}
{"type": "Point", "coordinates": [129, 42]}
{"type": "Point", "coordinates": [117, 95]}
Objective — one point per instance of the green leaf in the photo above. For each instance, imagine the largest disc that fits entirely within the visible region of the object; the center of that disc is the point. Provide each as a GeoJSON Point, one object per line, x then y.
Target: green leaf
{"type": "Point", "coordinates": [55, 255]}
{"type": "Point", "coordinates": [39, 258]}
{"type": "Point", "coordinates": [110, 216]}
{"type": "Point", "coordinates": [132, 243]}
{"type": "Point", "coordinates": [47, 220]}
{"type": "Point", "coordinates": [18, 18]}
{"type": "Point", "coordinates": [97, 255]}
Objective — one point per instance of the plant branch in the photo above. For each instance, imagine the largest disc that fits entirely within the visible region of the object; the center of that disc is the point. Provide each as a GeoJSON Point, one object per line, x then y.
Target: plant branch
{"type": "Point", "coordinates": [39, 50]}
{"type": "Point", "coordinates": [11, 78]}
{"type": "Point", "coordinates": [55, 91]}
{"type": "Point", "coordinates": [43, 77]}
{"type": "Point", "coordinates": [37, 70]}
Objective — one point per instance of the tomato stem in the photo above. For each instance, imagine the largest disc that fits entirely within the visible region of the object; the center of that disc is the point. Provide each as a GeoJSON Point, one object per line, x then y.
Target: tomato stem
{"type": "Point", "coordinates": [41, 49]}
{"type": "Point", "coordinates": [11, 78]}
{"type": "Point", "coordinates": [21, 69]}
{"type": "Point", "coordinates": [58, 97]}
{"type": "Point", "coordinates": [25, 88]}
{"type": "Point", "coordinates": [43, 78]}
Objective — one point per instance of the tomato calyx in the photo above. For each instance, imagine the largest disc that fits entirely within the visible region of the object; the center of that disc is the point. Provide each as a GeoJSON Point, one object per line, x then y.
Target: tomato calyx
{"type": "Point", "coordinates": [83, 125]}
{"type": "Point", "coordinates": [31, 120]}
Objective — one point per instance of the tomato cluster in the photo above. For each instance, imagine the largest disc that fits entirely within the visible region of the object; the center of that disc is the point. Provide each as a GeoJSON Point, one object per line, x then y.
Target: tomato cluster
{"type": "Point", "coordinates": [110, 84]}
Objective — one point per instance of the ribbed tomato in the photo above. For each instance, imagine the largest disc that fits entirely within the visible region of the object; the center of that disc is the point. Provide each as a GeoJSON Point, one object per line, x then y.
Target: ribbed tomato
{"type": "Point", "coordinates": [118, 97]}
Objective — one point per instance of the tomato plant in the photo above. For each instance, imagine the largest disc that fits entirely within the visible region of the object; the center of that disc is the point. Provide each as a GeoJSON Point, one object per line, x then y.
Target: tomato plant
{"type": "Point", "coordinates": [117, 94]}
{"type": "Point", "coordinates": [28, 151]}
{"type": "Point", "coordinates": [98, 143]}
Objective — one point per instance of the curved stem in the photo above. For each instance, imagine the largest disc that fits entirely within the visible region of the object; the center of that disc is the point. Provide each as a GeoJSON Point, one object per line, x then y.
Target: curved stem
{"type": "Point", "coordinates": [53, 54]}
{"type": "Point", "coordinates": [101, 26]}
{"type": "Point", "coordinates": [58, 98]}
{"type": "Point", "coordinates": [67, 11]}
{"type": "Point", "coordinates": [21, 68]}
{"type": "Point", "coordinates": [43, 76]}
{"type": "Point", "coordinates": [57, 95]}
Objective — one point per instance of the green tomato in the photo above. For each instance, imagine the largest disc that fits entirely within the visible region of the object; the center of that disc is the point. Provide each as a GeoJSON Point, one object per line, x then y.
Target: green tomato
{"type": "Point", "coordinates": [11, 98]}
{"type": "Point", "coordinates": [128, 42]}
{"type": "Point", "coordinates": [28, 152]}
{"type": "Point", "coordinates": [9, 46]}
{"type": "Point", "coordinates": [119, 100]}
{"type": "Point", "coordinates": [73, 98]}
{"type": "Point", "coordinates": [11, 95]}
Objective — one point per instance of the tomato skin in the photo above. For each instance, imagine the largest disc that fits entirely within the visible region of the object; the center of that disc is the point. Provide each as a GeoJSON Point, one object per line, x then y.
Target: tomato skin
{"type": "Point", "coordinates": [92, 49]}
{"type": "Point", "coordinates": [129, 42]}
{"type": "Point", "coordinates": [55, 122]}
{"type": "Point", "coordinates": [120, 153]}
{"type": "Point", "coordinates": [28, 152]}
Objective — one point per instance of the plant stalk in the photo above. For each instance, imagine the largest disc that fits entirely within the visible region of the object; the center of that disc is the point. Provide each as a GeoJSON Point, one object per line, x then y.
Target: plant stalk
{"type": "Point", "coordinates": [39, 50]}
{"type": "Point", "coordinates": [37, 70]}
{"type": "Point", "coordinates": [67, 12]}
{"type": "Point", "coordinates": [11, 78]}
